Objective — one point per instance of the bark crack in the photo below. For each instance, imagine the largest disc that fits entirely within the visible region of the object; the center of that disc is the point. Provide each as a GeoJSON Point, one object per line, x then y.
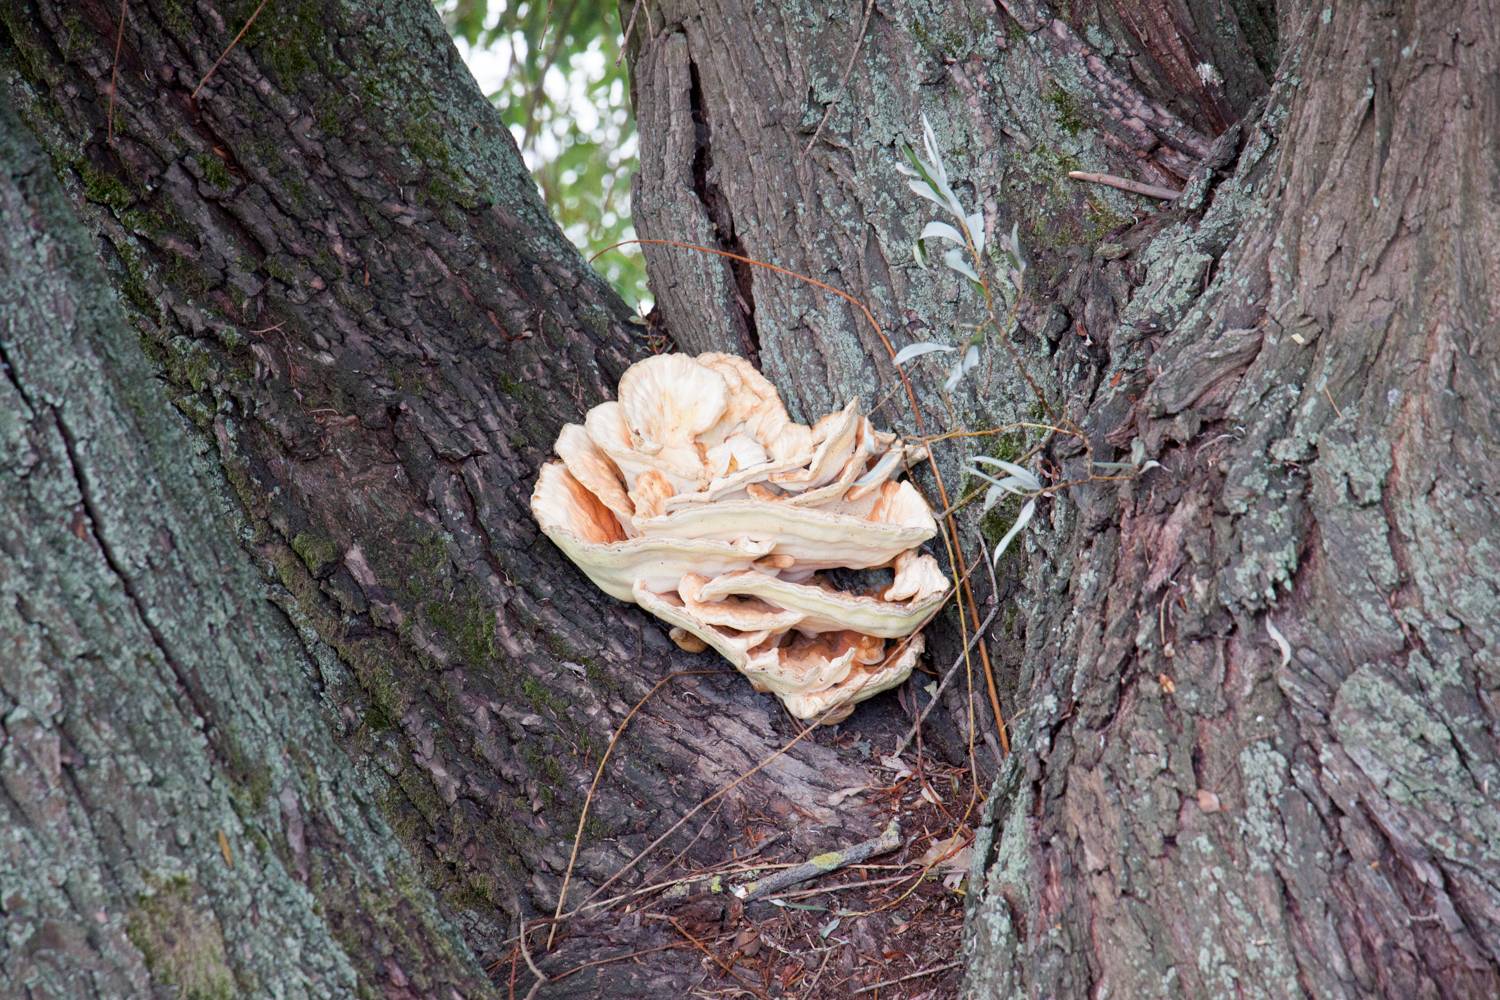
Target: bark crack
{"type": "Point", "coordinates": [196, 695]}
{"type": "Point", "coordinates": [720, 216]}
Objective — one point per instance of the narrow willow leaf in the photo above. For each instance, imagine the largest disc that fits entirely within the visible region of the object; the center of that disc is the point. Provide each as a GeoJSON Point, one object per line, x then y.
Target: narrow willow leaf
{"type": "Point", "coordinates": [922, 188]}
{"type": "Point", "coordinates": [917, 350]}
{"type": "Point", "coordinates": [1009, 484]}
{"type": "Point", "coordinates": [953, 377]}
{"type": "Point", "coordinates": [944, 230]}
{"type": "Point", "coordinates": [953, 204]}
{"type": "Point", "coordinates": [996, 493]}
{"type": "Point", "coordinates": [929, 138]}
{"type": "Point", "coordinates": [1015, 529]}
{"type": "Point", "coordinates": [917, 169]}
{"type": "Point", "coordinates": [1019, 471]}
{"type": "Point", "coordinates": [955, 259]}
{"type": "Point", "coordinates": [975, 224]}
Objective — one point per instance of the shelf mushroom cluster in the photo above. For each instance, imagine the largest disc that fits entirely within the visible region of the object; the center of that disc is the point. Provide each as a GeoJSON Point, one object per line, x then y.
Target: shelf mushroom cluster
{"type": "Point", "coordinates": [695, 496]}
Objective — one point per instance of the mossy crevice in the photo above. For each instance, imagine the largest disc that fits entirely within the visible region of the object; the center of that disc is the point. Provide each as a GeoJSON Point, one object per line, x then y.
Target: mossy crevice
{"type": "Point", "coordinates": [181, 943]}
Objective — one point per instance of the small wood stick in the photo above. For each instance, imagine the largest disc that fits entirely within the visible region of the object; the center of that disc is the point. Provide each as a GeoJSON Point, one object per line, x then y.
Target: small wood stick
{"type": "Point", "coordinates": [625, 39]}
{"type": "Point", "coordinates": [1134, 187]}
{"type": "Point", "coordinates": [915, 975]}
{"type": "Point", "coordinates": [832, 861]}
{"type": "Point", "coordinates": [228, 50]}
{"type": "Point", "coordinates": [114, 75]}
{"type": "Point", "coordinates": [843, 83]}
{"type": "Point", "coordinates": [540, 976]}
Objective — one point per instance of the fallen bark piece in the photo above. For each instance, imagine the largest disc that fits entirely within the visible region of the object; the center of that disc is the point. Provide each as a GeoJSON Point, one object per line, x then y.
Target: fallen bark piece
{"type": "Point", "coordinates": [822, 864]}
{"type": "Point", "coordinates": [696, 496]}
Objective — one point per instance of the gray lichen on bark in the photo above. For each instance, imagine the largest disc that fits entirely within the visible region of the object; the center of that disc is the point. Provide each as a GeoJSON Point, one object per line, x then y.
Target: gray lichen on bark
{"type": "Point", "coordinates": [153, 700]}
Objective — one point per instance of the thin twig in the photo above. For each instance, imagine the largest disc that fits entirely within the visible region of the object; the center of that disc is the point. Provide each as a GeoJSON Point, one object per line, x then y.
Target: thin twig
{"type": "Point", "coordinates": [704, 874]}
{"type": "Point", "coordinates": [769, 267]}
{"type": "Point", "coordinates": [989, 675]}
{"type": "Point", "coordinates": [228, 50]}
{"type": "Point", "coordinates": [620, 958]}
{"type": "Point", "coordinates": [696, 837]}
{"type": "Point", "coordinates": [541, 977]}
{"type": "Point", "coordinates": [729, 969]}
{"type": "Point", "coordinates": [625, 39]}
{"type": "Point", "coordinates": [862, 884]}
{"type": "Point", "coordinates": [827, 954]}
{"type": "Point", "coordinates": [843, 83]}
{"type": "Point", "coordinates": [693, 812]}
{"type": "Point", "coordinates": [536, 93]}
{"type": "Point", "coordinates": [823, 864]}
{"type": "Point", "coordinates": [114, 74]}
{"type": "Point", "coordinates": [1134, 187]}
{"type": "Point", "coordinates": [915, 975]}
{"type": "Point", "coordinates": [1336, 410]}
{"type": "Point", "coordinates": [943, 686]}
{"type": "Point", "coordinates": [589, 799]}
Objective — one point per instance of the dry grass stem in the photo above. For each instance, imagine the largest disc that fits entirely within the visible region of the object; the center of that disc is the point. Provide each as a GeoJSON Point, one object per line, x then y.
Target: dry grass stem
{"type": "Point", "coordinates": [915, 975]}
{"type": "Point", "coordinates": [943, 686]}
{"type": "Point", "coordinates": [693, 812]}
{"type": "Point", "coordinates": [114, 75]}
{"type": "Point", "coordinates": [583, 814]}
{"type": "Point", "coordinates": [526, 954]}
{"type": "Point", "coordinates": [844, 82]}
{"type": "Point", "coordinates": [728, 969]}
{"type": "Point", "coordinates": [228, 50]}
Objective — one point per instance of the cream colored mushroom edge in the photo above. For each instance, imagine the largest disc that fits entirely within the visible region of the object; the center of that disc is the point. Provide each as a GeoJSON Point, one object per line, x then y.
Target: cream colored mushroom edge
{"type": "Point", "coordinates": [695, 496]}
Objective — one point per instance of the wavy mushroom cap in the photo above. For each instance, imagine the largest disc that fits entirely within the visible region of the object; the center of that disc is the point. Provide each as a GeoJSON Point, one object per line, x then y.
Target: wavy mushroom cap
{"type": "Point", "coordinates": [825, 609]}
{"type": "Point", "coordinates": [606, 426]}
{"type": "Point", "coordinates": [697, 497]}
{"type": "Point", "coordinates": [816, 539]}
{"type": "Point", "coordinates": [754, 405]}
{"type": "Point", "coordinates": [836, 437]}
{"type": "Point", "coordinates": [669, 400]}
{"type": "Point", "coordinates": [596, 472]}
{"type": "Point", "coordinates": [562, 503]}
{"type": "Point", "coordinates": [589, 535]}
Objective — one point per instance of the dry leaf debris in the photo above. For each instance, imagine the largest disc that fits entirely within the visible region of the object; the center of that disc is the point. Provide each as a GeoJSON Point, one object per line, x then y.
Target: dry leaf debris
{"type": "Point", "coordinates": [697, 497]}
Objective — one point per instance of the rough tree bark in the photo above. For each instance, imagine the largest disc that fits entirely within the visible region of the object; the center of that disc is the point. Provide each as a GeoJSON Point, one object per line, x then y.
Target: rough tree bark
{"type": "Point", "coordinates": [339, 269]}
{"type": "Point", "coordinates": [391, 700]}
{"type": "Point", "coordinates": [1254, 695]}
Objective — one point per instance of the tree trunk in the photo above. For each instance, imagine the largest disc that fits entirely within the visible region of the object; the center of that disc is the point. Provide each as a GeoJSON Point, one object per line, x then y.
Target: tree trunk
{"type": "Point", "coordinates": [1255, 720]}
{"type": "Point", "coordinates": [1251, 690]}
{"type": "Point", "coordinates": [345, 757]}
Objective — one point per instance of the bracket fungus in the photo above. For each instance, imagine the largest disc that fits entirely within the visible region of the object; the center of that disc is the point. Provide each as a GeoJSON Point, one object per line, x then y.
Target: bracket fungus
{"type": "Point", "coordinates": [695, 496]}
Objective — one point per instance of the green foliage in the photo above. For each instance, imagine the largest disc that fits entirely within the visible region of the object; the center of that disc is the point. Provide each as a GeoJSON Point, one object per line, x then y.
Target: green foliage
{"type": "Point", "coordinates": [564, 92]}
